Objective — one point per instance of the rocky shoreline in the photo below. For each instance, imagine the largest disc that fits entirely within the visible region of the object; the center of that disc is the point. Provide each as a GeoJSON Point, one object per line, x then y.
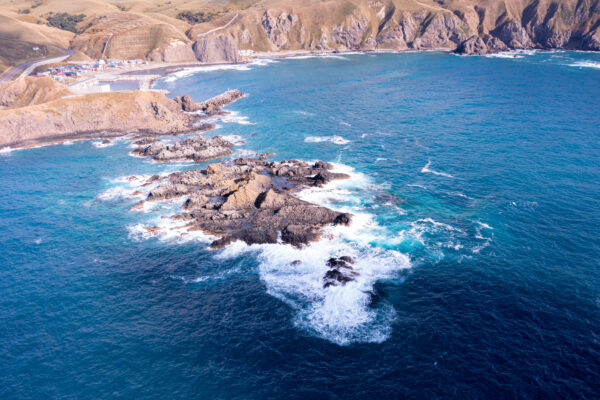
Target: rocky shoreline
{"type": "Point", "coordinates": [107, 115]}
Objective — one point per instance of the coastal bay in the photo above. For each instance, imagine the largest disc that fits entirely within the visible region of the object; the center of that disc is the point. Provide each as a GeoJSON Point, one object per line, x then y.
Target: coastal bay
{"type": "Point", "coordinates": [473, 193]}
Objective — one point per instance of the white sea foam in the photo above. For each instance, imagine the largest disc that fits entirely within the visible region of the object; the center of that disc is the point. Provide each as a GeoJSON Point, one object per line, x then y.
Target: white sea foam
{"type": "Point", "coordinates": [235, 117]}
{"type": "Point", "coordinates": [219, 67]}
{"type": "Point", "coordinates": [341, 314]}
{"type": "Point", "coordinates": [512, 54]}
{"type": "Point", "coordinates": [345, 123]}
{"type": "Point", "coordinates": [418, 186]}
{"type": "Point", "coordinates": [100, 145]}
{"type": "Point", "coordinates": [67, 143]}
{"type": "Point", "coordinates": [208, 68]}
{"type": "Point", "coordinates": [219, 276]}
{"type": "Point", "coordinates": [118, 192]}
{"type": "Point", "coordinates": [427, 170]}
{"type": "Point", "coordinates": [483, 225]}
{"type": "Point", "coordinates": [333, 139]}
{"type": "Point", "coordinates": [7, 150]}
{"type": "Point", "coordinates": [325, 55]}
{"type": "Point", "coordinates": [586, 64]}
{"type": "Point", "coordinates": [306, 113]}
{"type": "Point", "coordinates": [126, 188]}
{"type": "Point", "coordinates": [235, 139]}
{"type": "Point", "coordinates": [168, 230]}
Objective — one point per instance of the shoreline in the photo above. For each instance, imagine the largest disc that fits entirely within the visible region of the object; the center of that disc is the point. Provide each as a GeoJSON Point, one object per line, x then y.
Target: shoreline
{"type": "Point", "coordinates": [162, 70]}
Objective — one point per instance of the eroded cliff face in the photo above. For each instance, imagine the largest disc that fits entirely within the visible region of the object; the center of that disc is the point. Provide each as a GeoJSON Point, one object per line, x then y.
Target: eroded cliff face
{"type": "Point", "coordinates": [476, 27]}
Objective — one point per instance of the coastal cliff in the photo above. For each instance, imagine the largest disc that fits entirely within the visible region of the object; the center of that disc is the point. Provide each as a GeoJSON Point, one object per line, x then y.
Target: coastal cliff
{"type": "Point", "coordinates": [106, 115]}
{"type": "Point", "coordinates": [470, 28]}
{"type": "Point", "coordinates": [212, 32]}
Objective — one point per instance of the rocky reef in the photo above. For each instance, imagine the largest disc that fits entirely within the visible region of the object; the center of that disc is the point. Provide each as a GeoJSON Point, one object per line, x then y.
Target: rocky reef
{"type": "Point", "coordinates": [212, 106]}
{"type": "Point", "coordinates": [252, 200]}
{"type": "Point", "coordinates": [196, 149]}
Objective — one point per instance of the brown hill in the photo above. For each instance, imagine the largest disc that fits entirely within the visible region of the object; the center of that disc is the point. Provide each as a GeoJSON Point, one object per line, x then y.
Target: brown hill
{"type": "Point", "coordinates": [165, 30]}
{"type": "Point", "coordinates": [93, 115]}
{"type": "Point", "coordinates": [31, 91]}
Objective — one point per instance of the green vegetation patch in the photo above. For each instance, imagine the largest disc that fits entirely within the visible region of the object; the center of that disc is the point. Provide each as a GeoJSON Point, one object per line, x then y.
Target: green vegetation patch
{"type": "Point", "coordinates": [196, 17]}
{"type": "Point", "coordinates": [66, 22]}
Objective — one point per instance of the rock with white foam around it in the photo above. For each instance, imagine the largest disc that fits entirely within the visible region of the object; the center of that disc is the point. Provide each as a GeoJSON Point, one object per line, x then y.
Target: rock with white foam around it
{"type": "Point", "coordinates": [340, 271]}
{"type": "Point", "coordinates": [252, 200]}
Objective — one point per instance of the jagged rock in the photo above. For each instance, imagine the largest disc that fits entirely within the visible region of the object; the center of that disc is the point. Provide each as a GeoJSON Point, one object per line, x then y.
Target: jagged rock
{"type": "Point", "coordinates": [513, 35]}
{"type": "Point", "coordinates": [476, 45]}
{"type": "Point", "coordinates": [187, 104]}
{"type": "Point", "coordinates": [197, 149]}
{"type": "Point", "coordinates": [246, 200]}
{"type": "Point", "coordinates": [214, 105]}
{"type": "Point", "coordinates": [340, 271]}
{"type": "Point", "coordinates": [591, 41]}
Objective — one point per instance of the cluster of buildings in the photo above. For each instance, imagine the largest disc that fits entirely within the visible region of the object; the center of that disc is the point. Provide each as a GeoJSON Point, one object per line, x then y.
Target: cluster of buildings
{"type": "Point", "coordinates": [79, 68]}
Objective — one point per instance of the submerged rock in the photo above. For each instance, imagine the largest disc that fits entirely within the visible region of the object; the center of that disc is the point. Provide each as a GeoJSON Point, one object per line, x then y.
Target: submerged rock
{"type": "Point", "coordinates": [340, 271]}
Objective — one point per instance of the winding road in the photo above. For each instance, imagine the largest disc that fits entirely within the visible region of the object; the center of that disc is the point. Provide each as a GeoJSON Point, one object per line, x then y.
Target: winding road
{"type": "Point", "coordinates": [28, 67]}
{"type": "Point", "coordinates": [219, 28]}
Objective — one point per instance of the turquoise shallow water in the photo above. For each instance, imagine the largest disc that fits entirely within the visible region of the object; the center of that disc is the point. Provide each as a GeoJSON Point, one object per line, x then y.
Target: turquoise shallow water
{"type": "Point", "coordinates": [475, 186]}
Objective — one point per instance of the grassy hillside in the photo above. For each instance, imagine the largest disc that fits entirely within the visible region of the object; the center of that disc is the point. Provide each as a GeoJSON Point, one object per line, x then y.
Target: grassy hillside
{"type": "Point", "coordinates": [143, 28]}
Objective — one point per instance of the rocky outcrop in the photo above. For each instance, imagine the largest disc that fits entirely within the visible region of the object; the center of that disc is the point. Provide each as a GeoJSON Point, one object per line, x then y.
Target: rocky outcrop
{"type": "Point", "coordinates": [214, 106]}
{"type": "Point", "coordinates": [591, 41]}
{"type": "Point", "coordinates": [513, 35]}
{"type": "Point", "coordinates": [219, 49]}
{"type": "Point", "coordinates": [31, 91]}
{"type": "Point", "coordinates": [340, 271]}
{"type": "Point", "coordinates": [113, 114]}
{"type": "Point", "coordinates": [193, 149]}
{"type": "Point", "coordinates": [252, 200]}
{"type": "Point", "coordinates": [477, 45]}
{"type": "Point", "coordinates": [95, 115]}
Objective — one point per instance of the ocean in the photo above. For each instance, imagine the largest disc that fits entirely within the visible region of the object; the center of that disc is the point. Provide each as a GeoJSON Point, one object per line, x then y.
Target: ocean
{"type": "Point", "coordinates": [475, 191]}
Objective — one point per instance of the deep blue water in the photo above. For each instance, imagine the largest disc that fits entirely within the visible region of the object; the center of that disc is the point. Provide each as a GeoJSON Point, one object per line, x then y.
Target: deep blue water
{"type": "Point", "coordinates": [476, 192]}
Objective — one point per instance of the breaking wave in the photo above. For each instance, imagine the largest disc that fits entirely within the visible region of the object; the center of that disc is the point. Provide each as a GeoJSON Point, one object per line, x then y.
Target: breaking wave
{"type": "Point", "coordinates": [586, 64]}
{"type": "Point", "coordinates": [512, 54]}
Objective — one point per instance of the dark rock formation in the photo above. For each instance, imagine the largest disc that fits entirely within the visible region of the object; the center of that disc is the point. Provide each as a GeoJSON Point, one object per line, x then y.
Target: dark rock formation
{"type": "Point", "coordinates": [340, 271]}
{"type": "Point", "coordinates": [513, 35]}
{"type": "Point", "coordinates": [476, 45]}
{"type": "Point", "coordinates": [252, 200]}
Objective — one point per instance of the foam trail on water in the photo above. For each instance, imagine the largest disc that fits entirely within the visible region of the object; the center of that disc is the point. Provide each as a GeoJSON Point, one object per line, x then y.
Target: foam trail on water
{"type": "Point", "coordinates": [512, 54]}
{"type": "Point", "coordinates": [221, 67]}
{"type": "Point", "coordinates": [427, 170]}
{"type": "Point", "coordinates": [235, 117]}
{"type": "Point", "coordinates": [333, 139]}
{"type": "Point", "coordinates": [586, 64]}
